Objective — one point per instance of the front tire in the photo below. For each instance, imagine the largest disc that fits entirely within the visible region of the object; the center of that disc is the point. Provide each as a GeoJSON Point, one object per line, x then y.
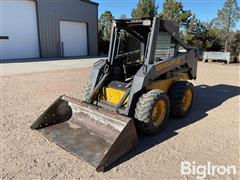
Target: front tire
{"type": "Point", "coordinates": [152, 111]}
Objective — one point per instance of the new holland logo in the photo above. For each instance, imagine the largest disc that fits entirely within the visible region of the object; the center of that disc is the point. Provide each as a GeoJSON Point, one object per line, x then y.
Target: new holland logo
{"type": "Point", "coordinates": [167, 64]}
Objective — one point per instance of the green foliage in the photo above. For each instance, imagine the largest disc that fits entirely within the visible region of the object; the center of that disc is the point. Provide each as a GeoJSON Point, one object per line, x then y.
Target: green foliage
{"type": "Point", "coordinates": [235, 42]}
{"type": "Point", "coordinates": [213, 36]}
{"type": "Point", "coordinates": [174, 10]}
{"type": "Point", "coordinates": [104, 25]}
{"type": "Point", "coordinates": [104, 31]}
{"type": "Point", "coordinates": [227, 19]}
{"type": "Point", "coordinates": [212, 39]}
{"type": "Point", "coordinates": [195, 33]}
{"type": "Point", "coordinates": [228, 16]}
{"type": "Point", "coordinates": [202, 35]}
{"type": "Point", "coordinates": [145, 8]}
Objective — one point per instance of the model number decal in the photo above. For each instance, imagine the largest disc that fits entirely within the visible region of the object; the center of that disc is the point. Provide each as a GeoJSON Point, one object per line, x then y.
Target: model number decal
{"type": "Point", "coordinates": [168, 64]}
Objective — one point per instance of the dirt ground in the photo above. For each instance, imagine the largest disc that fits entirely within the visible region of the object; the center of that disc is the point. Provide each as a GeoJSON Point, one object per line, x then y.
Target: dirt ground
{"type": "Point", "coordinates": [209, 133]}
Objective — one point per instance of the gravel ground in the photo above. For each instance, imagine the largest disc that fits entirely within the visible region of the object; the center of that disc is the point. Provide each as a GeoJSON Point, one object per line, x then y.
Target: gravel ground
{"type": "Point", "coordinates": [209, 133]}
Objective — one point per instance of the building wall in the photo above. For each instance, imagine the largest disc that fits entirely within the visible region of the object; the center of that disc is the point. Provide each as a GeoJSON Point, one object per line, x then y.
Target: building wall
{"type": "Point", "coordinates": [50, 12]}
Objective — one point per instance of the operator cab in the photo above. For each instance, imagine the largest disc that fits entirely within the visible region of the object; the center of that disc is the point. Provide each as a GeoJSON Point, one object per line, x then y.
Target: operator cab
{"type": "Point", "coordinates": [129, 46]}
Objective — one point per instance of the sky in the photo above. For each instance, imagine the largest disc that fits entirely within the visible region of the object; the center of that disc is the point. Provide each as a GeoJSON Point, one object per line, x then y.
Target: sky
{"type": "Point", "coordinates": [204, 9]}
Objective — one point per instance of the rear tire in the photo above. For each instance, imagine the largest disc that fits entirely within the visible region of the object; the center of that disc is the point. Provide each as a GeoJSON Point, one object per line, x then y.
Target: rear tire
{"type": "Point", "coordinates": [152, 111]}
{"type": "Point", "coordinates": [181, 97]}
{"type": "Point", "coordinates": [86, 92]}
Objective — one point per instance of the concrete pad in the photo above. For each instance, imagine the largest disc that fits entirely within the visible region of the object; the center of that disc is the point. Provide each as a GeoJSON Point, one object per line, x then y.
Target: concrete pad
{"type": "Point", "coordinates": [42, 66]}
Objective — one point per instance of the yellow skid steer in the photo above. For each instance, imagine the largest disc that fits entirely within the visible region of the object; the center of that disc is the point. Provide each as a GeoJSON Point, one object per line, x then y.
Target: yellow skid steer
{"type": "Point", "coordinates": [142, 81]}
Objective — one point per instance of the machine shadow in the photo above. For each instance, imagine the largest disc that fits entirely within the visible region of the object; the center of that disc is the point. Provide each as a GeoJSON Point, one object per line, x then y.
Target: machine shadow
{"type": "Point", "coordinates": [205, 98]}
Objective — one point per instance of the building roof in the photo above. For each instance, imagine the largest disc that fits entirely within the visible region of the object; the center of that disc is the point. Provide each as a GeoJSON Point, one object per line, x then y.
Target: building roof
{"type": "Point", "coordinates": [90, 2]}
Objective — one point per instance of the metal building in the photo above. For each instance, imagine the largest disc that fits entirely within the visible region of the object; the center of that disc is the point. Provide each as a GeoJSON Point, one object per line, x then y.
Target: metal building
{"type": "Point", "coordinates": [48, 28]}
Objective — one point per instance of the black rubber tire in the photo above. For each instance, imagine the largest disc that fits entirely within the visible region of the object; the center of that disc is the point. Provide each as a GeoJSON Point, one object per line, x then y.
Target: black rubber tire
{"type": "Point", "coordinates": [144, 109]}
{"type": "Point", "coordinates": [86, 92]}
{"type": "Point", "coordinates": [176, 94]}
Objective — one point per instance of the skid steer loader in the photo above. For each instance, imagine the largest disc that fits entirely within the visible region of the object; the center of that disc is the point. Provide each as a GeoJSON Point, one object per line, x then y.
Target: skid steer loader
{"type": "Point", "coordinates": [142, 81]}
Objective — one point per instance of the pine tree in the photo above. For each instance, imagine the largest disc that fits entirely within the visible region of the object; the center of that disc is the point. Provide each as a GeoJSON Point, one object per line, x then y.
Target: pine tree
{"type": "Point", "coordinates": [104, 31]}
{"type": "Point", "coordinates": [227, 19]}
{"type": "Point", "coordinates": [145, 8]}
{"type": "Point", "coordinates": [174, 10]}
{"type": "Point", "coordinates": [104, 25]}
{"type": "Point", "coordinates": [195, 34]}
{"type": "Point", "coordinates": [235, 42]}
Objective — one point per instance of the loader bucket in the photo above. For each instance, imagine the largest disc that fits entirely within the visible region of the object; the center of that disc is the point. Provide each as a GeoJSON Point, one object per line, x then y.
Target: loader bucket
{"type": "Point", "coordinates": [95, 135]}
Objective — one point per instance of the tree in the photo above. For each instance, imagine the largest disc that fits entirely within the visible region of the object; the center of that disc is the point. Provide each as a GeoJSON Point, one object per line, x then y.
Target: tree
{"type": "Point", "coordinates": [145, 8]}
{"type": "Point", "coordinates": [104, 25]}
{"type": "Point", "coordinates": [202, 35]}
{"type": "Point", "coordinates": [213, 39]}
{"type": "Point", "coordinates": [195, 35]}
{"type": "Point", "coordinates": [104, 31]}
{"type": "Point", "coordinates": [235, 42]}
{"type": "Point", "coordinates": [174, 10]}
{"type": "Point", "coordinates": [227, 19]}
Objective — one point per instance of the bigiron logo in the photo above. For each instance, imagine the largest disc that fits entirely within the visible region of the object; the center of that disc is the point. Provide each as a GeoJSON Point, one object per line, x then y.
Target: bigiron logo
{"type": "Point", "coordinates": [202, 171]}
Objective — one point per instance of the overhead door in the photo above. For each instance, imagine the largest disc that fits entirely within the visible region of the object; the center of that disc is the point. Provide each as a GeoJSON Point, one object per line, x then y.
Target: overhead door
{"type": "Point", "coordinates": [73, 38]}
{"type": "Point", "coordinates": [18, 32]}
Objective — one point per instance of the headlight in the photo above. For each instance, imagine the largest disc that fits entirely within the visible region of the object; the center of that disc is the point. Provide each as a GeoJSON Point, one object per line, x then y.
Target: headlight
{"type": "Point", "coordinates": [146, 22]}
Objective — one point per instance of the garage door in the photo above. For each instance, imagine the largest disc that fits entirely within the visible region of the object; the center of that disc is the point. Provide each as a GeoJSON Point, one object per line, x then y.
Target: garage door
{"type": "Point", "coordinates": [19, 33]}
{"type": "Point", "coordinates": [73, 38]}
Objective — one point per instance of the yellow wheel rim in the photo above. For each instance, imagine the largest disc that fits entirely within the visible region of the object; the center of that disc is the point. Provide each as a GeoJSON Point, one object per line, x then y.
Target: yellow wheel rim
{"type": "Point", "coordinates": [159, 112]}
{"type": "Point", "coordinates": [187, 100]}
